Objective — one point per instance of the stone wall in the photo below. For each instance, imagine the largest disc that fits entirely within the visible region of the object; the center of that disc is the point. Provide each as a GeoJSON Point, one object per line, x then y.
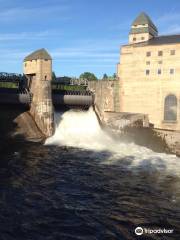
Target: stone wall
{"type": "Point", "coordinates": [146, 94]}
{"type": "Point", "coordinates": [107, 104]}
{"type": "Point", "coordinates": [40, 86]}
{"type": "Point", "coordinates": [42, 108]}
{"type": "Point", "coordinates": [104, 94]}
{"type": "Point", "coordinates": [172, 139]}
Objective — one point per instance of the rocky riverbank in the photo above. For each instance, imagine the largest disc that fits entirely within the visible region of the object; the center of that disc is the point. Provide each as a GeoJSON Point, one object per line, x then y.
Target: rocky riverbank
{"type": "Point", "coordinates": [136, 128]}
{"type": "Point", "coordinates": [16, 123]}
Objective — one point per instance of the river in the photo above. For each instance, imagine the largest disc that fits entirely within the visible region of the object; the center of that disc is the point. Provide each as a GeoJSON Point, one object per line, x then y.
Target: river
{"type": "Point", "coordinates": [84, 185]}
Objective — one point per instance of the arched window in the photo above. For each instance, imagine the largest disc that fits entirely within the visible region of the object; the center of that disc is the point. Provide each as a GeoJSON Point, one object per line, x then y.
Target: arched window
{"type": "Point", "coordinates": [170, 108]}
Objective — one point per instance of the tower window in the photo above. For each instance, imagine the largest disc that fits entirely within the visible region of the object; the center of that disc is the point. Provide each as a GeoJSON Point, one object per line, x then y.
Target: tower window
{"type": "Point", "coordinates": [172, 71]}
{"type": "Point", "coordinates": [159, 71]}
{"type": "Point", "coordinates": [147, 71]}
{"type": "Point", "coordinates": [142, 38]}
{"type": "Point", "coordinates": [148, 54]}
{"type": "Point", "coordinates": [148, 63]}
{"type": "Point", "coordinates": [160, 53]}
{"type": "Point", "coordinates": [160, 62]}
{"type": "Point", "coordinates": [172, 52]}
{"type": "Point", "coordinates": [170, 108]}
{"type": "Point", "coordinates": [134, 39]}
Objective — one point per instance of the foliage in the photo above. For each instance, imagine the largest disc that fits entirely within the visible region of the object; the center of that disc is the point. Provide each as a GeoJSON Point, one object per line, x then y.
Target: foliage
{"type": "Point", "coordinates": [68, 87]}
{"type": "Point", "coordinates": [114, 75]}
{"type": "Point", "coordinates": [8, 85]}
{"type": "Point", "coordinates": [63, 80]}
{"type": "Point", "coordinates": [89, 76]}
{"type": "Point", "coordinates": [53, 76]}
{"type": "Point", "coordinates": [109, 78]}
{"type": "Point", "coordinates": [105, 76]}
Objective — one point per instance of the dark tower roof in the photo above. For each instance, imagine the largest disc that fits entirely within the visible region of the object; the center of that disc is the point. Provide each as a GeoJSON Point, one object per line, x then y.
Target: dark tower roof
{"type": "Point", "coordinates": [143, 18]}
{"type": "Point", "coordinates": [38, 54]}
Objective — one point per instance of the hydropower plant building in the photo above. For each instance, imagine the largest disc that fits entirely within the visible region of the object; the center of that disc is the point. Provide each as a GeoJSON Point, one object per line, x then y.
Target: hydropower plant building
{"type": "Point", "coordinates": [149, 74]}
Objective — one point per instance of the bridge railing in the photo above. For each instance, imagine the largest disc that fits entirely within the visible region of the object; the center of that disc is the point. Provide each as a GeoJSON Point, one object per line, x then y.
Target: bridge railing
{"type": "Point", "coordinates": [11, 77]}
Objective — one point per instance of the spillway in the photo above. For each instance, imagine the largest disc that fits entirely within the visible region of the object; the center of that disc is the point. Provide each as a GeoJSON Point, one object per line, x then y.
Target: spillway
{"type": "Point", "coordinates": [81, 129]}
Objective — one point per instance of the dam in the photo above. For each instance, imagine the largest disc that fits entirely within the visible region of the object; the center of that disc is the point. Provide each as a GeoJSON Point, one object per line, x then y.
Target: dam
{"type": "Point", "coordinates": [85, 181]}
{"type": "Point", "coordinates": [33, 93]}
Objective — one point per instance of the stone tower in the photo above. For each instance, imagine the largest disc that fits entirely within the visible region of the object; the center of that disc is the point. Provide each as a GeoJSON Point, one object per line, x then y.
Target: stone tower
{"type": "Point", "coordinates": [38, 70]}
{"type": "Point", "coordinates": [142, 29]}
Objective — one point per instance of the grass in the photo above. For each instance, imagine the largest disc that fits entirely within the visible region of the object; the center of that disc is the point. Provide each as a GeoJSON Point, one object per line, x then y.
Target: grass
{"type": "Point", "coordinates": [68, 87]}
{"type": "Point", "coordinates": [54, 86]}
{"type": "Point", "coordinates": [8, 85]}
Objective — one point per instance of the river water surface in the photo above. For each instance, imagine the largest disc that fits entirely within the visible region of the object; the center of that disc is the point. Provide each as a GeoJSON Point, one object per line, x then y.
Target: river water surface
{"type": "Point", "coordinates": [82, 184]}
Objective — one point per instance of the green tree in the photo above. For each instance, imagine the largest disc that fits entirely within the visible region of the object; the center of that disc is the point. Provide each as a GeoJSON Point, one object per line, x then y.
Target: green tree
{"type": "Point", "coordinates": [53, 76]}
{"type": "Point", "coordinates": [89, 76]}
{"type": "Point", "coordinates": [105, 76]}
{"type": "Point", "coordinates": [114, 75]}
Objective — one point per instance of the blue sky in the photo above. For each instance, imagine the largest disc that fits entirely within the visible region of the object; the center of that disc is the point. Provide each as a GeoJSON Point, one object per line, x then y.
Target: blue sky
{"type": "Point", "coordinates": [81, 35]}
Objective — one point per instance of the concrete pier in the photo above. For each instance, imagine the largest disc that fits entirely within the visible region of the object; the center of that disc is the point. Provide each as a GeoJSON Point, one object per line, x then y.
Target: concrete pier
{"type": "Point", "coordinates": [38, 70]}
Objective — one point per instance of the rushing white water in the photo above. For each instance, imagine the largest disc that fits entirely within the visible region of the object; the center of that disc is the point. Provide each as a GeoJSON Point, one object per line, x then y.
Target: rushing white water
{"type": "Point", "coordinates": [82, 130]}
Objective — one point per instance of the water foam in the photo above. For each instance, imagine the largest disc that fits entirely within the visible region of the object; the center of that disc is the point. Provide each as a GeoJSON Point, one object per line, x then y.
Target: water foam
{"type": "Point", "coordinates": [82, 130]}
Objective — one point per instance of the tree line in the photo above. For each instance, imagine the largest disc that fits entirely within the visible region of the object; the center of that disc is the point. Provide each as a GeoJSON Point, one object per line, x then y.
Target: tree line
{"type": "Point", "coordinates": [86, 75]}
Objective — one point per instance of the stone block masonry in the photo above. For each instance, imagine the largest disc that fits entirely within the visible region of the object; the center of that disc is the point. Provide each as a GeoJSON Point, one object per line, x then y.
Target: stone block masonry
{"type": "Point", "coordinates": [38, 69]}
{"type": "Point", "coordinates": [104, 94]}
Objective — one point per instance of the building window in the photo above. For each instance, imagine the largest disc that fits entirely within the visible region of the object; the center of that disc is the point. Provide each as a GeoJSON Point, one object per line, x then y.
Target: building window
{"type": "Point", "coordinates": [160, 62]}
{"type": "Point", "coordinates": [172, 52]}
{"type": "Point", "coordinates": [172, 71]}
{"type": "Point", "coordinates": [147, 72]}
{"type": "Point", "coordinates": [142, 38]}
{"type": "Point", "coordinates": [170, 108]}
{"type": "Point", "coordinates": [25, 64]}
{"type": "Point", "coordinates": [160, 53]}
{"type": "Point", "coordinates": [159, 71]}
{"type": "Point", "coordinates": [148, 54]}
{"type": "Point", "coordinates": [134, 39]}
{"type": "Point", "coordinates": [148, 63]}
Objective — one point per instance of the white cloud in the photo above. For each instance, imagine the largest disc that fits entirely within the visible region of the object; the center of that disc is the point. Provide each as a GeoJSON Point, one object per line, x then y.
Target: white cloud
{"type": "Point", "coordinates": [169, 23]}
{"type": "Point", "coordinates": [15, 54]}
{"type": "Point", "coordinates": [174, 29]}
{"type": "Point", "coordinates": [168, 18]}
{"type": "Point", "coordinates": [89, 49]}
{"type": "Point", "coordinates": [31, 14]}
{"type": "Point", "coordinates": [28, 35]}
{"type": "Point", "coordinates": [82, 53]}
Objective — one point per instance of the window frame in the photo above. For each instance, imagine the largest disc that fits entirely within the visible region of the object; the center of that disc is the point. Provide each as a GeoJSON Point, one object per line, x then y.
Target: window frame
{"type": "Point", "coordinates": [148, 54]}
{"type": "Point", "coordinates": [170, 101]}
{"type": "Point", "coordinates": [172, 52]}
{"type": "Point", "coordinates": [160, 53]}
{"type": "Point", "coordinates": [171, 71]}
{"type": "Point", "coordinates": [147, 72]}
{"type": "Point", "coordinates": [159, 71]}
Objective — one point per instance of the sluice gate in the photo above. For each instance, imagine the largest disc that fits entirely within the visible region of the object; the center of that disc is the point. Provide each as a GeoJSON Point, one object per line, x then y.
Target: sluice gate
{"type": "Point", "coordinates": [64, 98]}
{"type": "Point", "coordinates": [73, 98]}
{"type": "Point", "coordinates": [14, 89]}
